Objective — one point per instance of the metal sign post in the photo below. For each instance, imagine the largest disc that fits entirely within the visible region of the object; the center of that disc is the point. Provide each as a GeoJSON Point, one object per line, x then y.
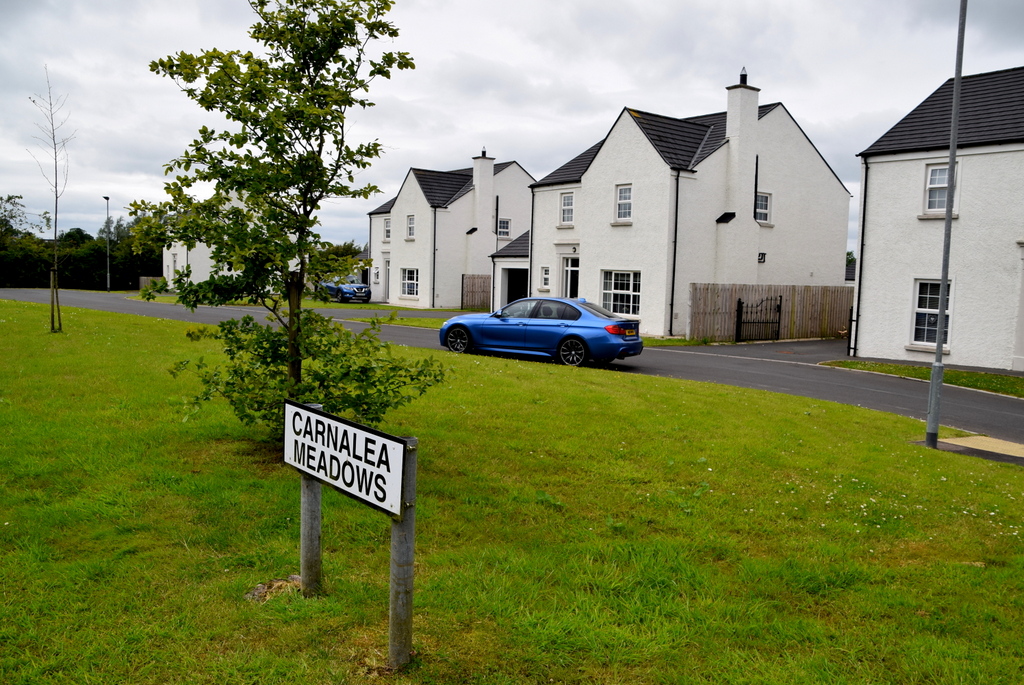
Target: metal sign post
{"type": "Point", "coordinates": [374, 468]}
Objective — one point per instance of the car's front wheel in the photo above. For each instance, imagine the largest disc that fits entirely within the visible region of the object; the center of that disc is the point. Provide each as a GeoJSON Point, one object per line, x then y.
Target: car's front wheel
{"type": "Point", "coordinates": [457, 340]}
{"type": "Point", "coordinates": [572, 352]}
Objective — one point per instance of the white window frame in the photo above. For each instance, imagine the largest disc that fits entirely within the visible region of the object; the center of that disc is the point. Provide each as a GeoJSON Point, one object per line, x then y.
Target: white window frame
{"type": "Point", "coordinates": [410, 282]}
{"type": "Point", "coordinates": [387, 230]}
{"type": "Point", "coordinates": [620, 292]}
{"type": "Point", "coordinates": [545, 278]}
{"type": "Point", "coordinates": [410, 227]}
{"type": "Point", "coordinates": [763, 211]}
{"type": "Point", "coordinates": [505, 232]}
{"type": "Point", "coordinates": [930, 205]}
{"type": "Point", "coordinates": [936, 203]}
{"type": "Point", "coordinates": [926, 314]}
{"type": "Point", "coordinates": [624, 203]}
{"type": "Point", "coordinates": [566, 208]}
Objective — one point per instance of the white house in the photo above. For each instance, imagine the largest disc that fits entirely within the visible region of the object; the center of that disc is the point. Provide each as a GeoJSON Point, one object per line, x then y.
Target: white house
{"type": "Point", "coordinates": [178, 256]}
{"type": "Point", "coordinates": [740, 196]}
{"type": "Point", "coordinates": [904, 176]}
{"type": "Point", "coordinates": [442, 226]}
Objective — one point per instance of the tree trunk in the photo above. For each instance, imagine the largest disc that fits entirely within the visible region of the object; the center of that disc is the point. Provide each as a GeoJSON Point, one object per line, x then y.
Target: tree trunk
{"type": "Point", "coordinates": [294, 309]}
{"type": "Point", "coordinates": [55, 322]}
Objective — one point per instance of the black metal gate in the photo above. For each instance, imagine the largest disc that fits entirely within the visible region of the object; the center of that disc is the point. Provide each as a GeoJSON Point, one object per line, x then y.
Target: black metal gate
{"type": "Point", "coordinates": [761, 321]}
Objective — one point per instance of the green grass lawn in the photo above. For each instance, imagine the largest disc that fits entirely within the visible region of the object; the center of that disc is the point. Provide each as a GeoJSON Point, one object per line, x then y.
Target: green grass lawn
{"type": "Point", "coordinates": [574, 526]}
{"type": "Point", "coordinates": [414, 321]}
{"type": "Point", "coordinates": [991, 382]}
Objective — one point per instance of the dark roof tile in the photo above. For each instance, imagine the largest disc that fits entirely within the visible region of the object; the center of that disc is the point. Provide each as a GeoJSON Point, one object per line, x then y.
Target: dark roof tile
{"type": "Point", "coordinates": [682, 143]}
{"type": "Point", "coordinates": [520, 247]}
{"type": "Point", "coordinates": [991, 112]}
{"type": "Point", "coordinates": [384, 208]}
{"type": "Point", "coordinates": [572, 171]}
{"type": "Point", "coordinates": [441, 188]}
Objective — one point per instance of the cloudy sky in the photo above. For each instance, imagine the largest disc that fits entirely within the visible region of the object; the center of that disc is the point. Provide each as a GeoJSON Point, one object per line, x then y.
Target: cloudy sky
{"type": "Point", "coordinates": [537, 81]}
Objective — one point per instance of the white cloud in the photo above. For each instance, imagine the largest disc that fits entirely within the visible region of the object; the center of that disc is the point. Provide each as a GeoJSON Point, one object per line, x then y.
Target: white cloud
{"type": "Point", "coordinates": [535, 80]}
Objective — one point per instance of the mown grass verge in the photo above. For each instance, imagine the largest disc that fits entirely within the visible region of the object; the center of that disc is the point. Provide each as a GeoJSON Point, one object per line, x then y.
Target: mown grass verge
{"type": "Point", "coordinates": [991, 382]}
{"type": "Point", "coordinates": [414, 321]}
{"type": "Point", "coordinates": [574, 526]}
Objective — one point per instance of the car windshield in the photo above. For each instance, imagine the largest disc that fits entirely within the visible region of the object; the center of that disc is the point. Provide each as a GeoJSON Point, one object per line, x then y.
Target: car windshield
{"type": "Point", "coordinates": [353, 278]}
{"type": "Point", "coordinates": [599, 310]}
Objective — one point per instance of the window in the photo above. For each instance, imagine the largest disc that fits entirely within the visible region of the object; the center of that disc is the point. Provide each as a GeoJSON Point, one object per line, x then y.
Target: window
{"type": "Point", "coordinates": [926, 314]}
{"type": "Point", "coordinates": [620, 292]}
{"type": "Point", "coordinates": [624, 203]}
{"type": "Point", "coordinates": [567, 207]}
{"type": "Point", "coordinates": [937, 185]}
{"type": "Point", "coordinates": [763, 207]}
{"type": "Point", "coordinates": [504, 228]}
{"type": "Point", "coordinates": [518, 310]}
{"type": "Point", "coordinates": [545, 276]}
{"type": "Point", "coordinates": [555, 311]}
{"type": "Point", "coordinates": [387, 229]}
{"type": "Point", "coordinates": [411, 282]}
{"type": "Point", "coordinates": [410, 227]}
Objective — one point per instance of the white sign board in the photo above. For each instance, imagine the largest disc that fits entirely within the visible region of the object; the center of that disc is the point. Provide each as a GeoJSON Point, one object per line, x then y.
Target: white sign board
{"type": "Point", "coordinates": [358, 461]}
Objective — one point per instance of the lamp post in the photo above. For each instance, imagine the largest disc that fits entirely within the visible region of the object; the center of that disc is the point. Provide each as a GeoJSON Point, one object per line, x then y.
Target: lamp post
{"type": "Point", "coordinates": [108, 241]}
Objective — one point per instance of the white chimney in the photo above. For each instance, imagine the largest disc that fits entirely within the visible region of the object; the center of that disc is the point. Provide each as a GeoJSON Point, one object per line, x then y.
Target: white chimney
{"type": "Point", "coordinates": [737, 241]}
{"type": "Point", "coordinates": [483, 193]}
{"type": "Point", "coordinates": [741, 132]}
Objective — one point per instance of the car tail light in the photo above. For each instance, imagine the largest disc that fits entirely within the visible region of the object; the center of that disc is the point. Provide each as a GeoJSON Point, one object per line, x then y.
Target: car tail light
{"type": "Point", "coordinates": [616, 329]}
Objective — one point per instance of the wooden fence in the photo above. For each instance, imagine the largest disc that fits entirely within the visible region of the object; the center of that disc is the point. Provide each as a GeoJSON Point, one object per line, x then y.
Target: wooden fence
{"type": "Point", "coordinates": [808, 311]}
{"type": "Point", "coordinates": [476, 291]}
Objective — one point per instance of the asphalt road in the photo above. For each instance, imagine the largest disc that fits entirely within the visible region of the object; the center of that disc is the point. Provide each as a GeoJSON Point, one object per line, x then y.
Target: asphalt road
{"type": "Point", "coordinates": [788, 367]}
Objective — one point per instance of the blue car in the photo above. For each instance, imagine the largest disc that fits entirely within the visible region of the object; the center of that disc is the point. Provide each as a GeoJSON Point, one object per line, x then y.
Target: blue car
{"type": "Point", "coordinates": [348, 289]}
{"type": "Point", "coordinates": [569, 331]}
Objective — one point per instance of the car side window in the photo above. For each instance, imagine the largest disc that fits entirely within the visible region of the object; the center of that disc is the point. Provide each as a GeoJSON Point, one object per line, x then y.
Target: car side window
{"type": "Point", "coordinates": [557, 311]}
{"type": "Point", "coordinates": [569, 313]}
{"type": "Point", "coordinates": [518, 310]}
{"type": "Point", "coordinates": [547, 310]}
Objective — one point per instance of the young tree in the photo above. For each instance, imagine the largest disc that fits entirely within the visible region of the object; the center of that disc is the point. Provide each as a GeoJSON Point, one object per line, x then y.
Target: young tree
{"type": "Point", "coordinates": [53, 143]}
{"type": "Point", "coordinates": [284, 152]}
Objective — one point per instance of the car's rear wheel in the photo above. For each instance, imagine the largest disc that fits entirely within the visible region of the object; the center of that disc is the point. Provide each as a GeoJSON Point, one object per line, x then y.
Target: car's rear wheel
{"type": "Point", "coordinates": [458, 340]}
{"type": "Point", "coordinates": [572, 352]}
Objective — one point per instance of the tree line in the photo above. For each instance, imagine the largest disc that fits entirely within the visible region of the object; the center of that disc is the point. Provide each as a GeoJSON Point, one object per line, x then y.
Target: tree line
{"type": "Point", "coordinates": [26, 258]}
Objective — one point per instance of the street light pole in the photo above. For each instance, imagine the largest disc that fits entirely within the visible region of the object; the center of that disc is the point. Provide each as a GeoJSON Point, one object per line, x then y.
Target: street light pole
{"type": "Point", "coordinates": [931, 436]}
{"type": "Point", "coordinates": [108, 241]}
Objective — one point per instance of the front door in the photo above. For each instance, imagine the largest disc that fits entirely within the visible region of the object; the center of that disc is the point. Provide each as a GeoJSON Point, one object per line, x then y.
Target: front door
{"type": "Point", "coordinates": [571, 277]}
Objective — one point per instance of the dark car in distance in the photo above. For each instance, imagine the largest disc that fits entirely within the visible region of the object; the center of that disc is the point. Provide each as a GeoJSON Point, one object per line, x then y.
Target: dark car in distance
{"type": "Point", "coordinates": [570, 331]}
{"type": "Point", "coordinates": [347, 289]}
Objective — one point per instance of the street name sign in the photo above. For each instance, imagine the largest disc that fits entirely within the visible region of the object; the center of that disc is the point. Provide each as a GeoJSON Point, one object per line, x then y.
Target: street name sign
{"type": "Point", "coordinates": [358, 461]}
